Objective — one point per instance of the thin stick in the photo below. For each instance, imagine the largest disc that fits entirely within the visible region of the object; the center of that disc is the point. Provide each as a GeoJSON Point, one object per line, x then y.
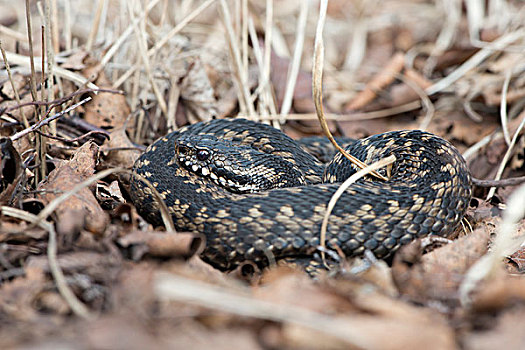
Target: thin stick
{"type": "Point", "coordinates": [506, 157]}
{"type": "Point", "coordinates": [79, 138]}
{"type": "Point", "coordinates": [317, 88]}
{"type": "Point", "coordinates": [142, 43]}
{"type": "Point", "coordinates": [242, 86]}
{"type": "Point", "coordinates": [31, 53]}
{"type": "Point", "coordinates": [61, 100]}
{"type": "Point", "coordinates": [58, 71]}
{"type": "Point", "coordinates": [124, 36]}
{"type": "Point", "coordinates": [293, 70]}
{"type": "Point", "coordinates": [425, 100]}
{"type": "Point", "coordinates": [46, 121]}
{"type": "Point", "coordinates": [474, 61]}
{"type": "Point", "coordinates": [50, 55]}
{"type": "Point", "coordinates": [383, 113]}
{"type": "Point", "coordinates": [76, 305]}
{"type": "Point", "coordinates": [17, 96]}
{"type": "Point", "coordinates": [160, 43]}
{"type": "Point", "coordinates": [472, 150]}
{"type": "Point", "coordinates": [94, 28]}
{"type": "Point", "coordinates": [503, 106]}
{"type": "Point", "coordinates": [12, 33]}
{"type": "Point", "coordinates": [344, 186]}
{"type": "Point", "coordinates": [513, 181]}
{"type": "Point", "coordinates": [67, 24]}
{"type": "Point", "coordinates": [244, 34]}
{"type": "Point", "coordinates": [54, 26]}
{"type": "Point", "coordinates": [265, 81]}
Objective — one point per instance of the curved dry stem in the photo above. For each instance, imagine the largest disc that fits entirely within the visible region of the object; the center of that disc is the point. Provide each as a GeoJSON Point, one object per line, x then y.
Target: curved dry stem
{"type": "Point", "coordinates": [506, 157]}
{"type": "Point", "coordinates": [76, 305]}
{"type": "Point", "coordinates": [344, 186]}
{"type": "Point", "coordinates": [505, 243]}
{"type": "Point", "coordinates": [164, 212]}
{"type": "Point", "coordinates": [317, 88]}
{"type": "Point", "coordinates": [503, 106]}
{"type": "Point", "coordinates": [53, 205]}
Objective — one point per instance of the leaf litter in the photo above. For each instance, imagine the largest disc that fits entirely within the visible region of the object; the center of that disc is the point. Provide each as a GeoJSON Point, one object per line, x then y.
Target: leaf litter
{"type": "Point", "coordinates": [455, 69]}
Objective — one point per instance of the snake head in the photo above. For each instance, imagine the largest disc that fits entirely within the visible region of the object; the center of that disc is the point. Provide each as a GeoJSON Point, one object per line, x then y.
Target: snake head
{"type": "Point", "coordinates": [233, 166]}
{"type": "Point", "coordinates": [214, 159]}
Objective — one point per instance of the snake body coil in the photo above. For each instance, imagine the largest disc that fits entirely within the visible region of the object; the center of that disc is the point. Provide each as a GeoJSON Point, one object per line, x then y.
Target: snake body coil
{"type": "Point", "coordinates": [253, 191]}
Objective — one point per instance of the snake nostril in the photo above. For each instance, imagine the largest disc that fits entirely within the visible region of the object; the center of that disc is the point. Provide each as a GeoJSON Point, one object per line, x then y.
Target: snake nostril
{"type": "Point", "coordinates": [181, 149]}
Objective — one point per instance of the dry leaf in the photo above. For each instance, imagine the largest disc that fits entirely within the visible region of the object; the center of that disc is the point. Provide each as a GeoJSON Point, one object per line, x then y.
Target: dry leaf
{"type": "Point", "coordinates": [82, 209]}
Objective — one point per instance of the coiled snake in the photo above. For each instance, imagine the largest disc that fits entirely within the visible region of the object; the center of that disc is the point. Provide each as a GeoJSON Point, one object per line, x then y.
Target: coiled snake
{"type": "Point", "coordinates": [254, 192]}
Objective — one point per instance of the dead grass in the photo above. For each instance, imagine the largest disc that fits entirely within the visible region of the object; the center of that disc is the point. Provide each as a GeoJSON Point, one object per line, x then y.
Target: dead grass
{"type": "Point", "coordinates": [453, 68]}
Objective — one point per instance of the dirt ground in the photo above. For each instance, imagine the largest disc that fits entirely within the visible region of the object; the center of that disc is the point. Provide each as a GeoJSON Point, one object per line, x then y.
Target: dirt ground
{"type": "Point", "coordinates": [80, 269]}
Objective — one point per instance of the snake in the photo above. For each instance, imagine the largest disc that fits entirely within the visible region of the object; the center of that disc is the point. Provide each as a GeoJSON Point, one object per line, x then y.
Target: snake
{"type": "Point", "coordinates": [259, 196]}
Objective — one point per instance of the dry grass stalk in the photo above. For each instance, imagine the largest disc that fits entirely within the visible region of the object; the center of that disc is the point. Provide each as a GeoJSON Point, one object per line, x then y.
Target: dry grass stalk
{"type": "Point", "coordinates": [344, 186]}
{"type": "Point", "coordinates": [317, 88]}
{"type": "Point", "coordinates": [505, 243]}
{"type": "Point", "coordinates": [506, 157]}
{"type": "Point", "coordinates": [76, 305]}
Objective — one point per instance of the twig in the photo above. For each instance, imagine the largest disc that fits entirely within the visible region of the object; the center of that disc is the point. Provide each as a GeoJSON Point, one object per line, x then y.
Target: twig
{"type": "Point", "coordinates": [344, 186]}
{"type": "Point", "coordinates": [503, 106]}
{"type": "Point", "coordinates": [382, 113]}
{"type": "Point", "coordinates": [506, 157]}
{"type": "Point", "coordinates": [240, 79]}
{"type": "Point", "coordinates": [31, 53]}
{"type": "Point", "coordinates": [50, 56]}
{"type": "Point", "coordinates": [57, 71]}
{"type": "Point", "coordinates": [76, 305]}
{"type": "Point", "coordinates": [507, 241]}
{"type": "Point", "coordinates": [474, 61]}
{"type": "Point", "coordinates": [95, 26]}
{"type": "Point", "coordinates": [158, 44]}
{"type": "Point", "coordinates": [17, 96]}
{"type": "Point", "coordinates": [105, 134]}
{"type": "Point", "coordinates": [61, 100]}
{"type": "Point", "coordinates": [317, 89]}
{"type": "Point", "coordinates": [48, 119]}
{"type": "Point", "coordinates": [293, 68]}
{"type": "Point", "coordinates": [513, 181]}
{"type": "Point", "coordinates": [12, 33]}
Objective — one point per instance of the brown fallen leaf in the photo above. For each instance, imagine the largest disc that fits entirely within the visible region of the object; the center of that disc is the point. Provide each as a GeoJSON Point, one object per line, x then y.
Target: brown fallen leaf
{"type": "Point", "coordinates": [76, 60]}
{"type": "Point", "coordinates": [7, 89]}
{"type": "Point", "coordinates": [105, 110]}
{"type": "Point", "coordinates": [88, 262]}
{"type": "Point", "coordinates": [506, 332]}
{"type": "Point", "coordinates": [17, 296]}
{"type": "Point", "coordinates": [438, 274]}
{"type": "Point", "coordinates": [291, 287]}
{"type": "Point", "coordinates": [81, 210]}
{"type": "Point", "coordinates": [119, 150]}
{"type": "Point", "coordinates": [162, 244]}
{"type": "Point", "coordinates": [453, 124]}
{"type": "Point", "coordinates": [197, 93]}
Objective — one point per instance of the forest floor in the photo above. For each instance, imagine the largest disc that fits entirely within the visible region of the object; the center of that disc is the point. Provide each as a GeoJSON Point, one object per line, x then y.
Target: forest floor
{"type": "Point", "coordinates": [79, 268]}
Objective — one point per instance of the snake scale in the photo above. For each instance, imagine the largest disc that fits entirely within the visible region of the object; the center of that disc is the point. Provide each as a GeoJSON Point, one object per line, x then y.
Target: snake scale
{"type": "Point", "coordinates": [255, 193]}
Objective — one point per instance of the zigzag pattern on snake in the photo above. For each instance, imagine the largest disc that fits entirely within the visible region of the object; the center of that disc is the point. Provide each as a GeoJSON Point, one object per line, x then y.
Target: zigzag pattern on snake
{"type": "Point", "coordinates": [204, 172]}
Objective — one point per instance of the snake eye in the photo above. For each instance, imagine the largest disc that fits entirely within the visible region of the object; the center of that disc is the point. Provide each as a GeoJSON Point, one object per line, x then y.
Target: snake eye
{"type": "Point", "coordinates": [203, 154]}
